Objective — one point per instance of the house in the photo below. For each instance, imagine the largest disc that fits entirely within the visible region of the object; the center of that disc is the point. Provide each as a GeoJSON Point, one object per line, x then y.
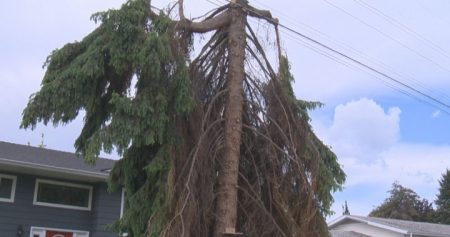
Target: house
{"type": "Point", "coordinates": [48, 193]}
{"type": "Point", "coordinates": [358, 226]}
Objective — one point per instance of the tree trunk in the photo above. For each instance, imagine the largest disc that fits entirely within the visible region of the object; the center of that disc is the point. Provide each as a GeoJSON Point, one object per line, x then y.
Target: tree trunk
{"type": "Point", "coordinates": [227, 192]}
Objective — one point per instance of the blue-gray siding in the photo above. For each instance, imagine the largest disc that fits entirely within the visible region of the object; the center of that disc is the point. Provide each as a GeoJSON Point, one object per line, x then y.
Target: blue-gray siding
{"type": "Point", "coordinates": [105, 210]}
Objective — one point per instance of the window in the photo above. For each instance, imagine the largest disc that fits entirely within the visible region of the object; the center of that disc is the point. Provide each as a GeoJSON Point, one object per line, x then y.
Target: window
{"type": "Point", "coordinates": [7, 188]}
{"type": "Point", "coordinates": [63, 195]}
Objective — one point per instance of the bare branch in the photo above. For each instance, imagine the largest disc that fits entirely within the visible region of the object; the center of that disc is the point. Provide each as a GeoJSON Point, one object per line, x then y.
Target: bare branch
{"type": "Point", "coordinates": [264, 14]}
{"type": "Point", "coordinates": [181, 9]}
{"type": "Point", "coordinates": [217, 11]}
{"type": "Point", "coordinates": [151, 14]}
{"type": "Point", "coordinates": [278, 43]}
{"type": "Point", "coordinates": [207, 25]}
{"type": "Point", "coordinates": [260, 49]}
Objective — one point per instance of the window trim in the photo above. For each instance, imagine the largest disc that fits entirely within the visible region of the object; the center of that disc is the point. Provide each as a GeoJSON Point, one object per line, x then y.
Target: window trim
{"type": "Point", "coordinates": [122, 206]}
{"type": "Point", "coordinates": [13, 188]}
{"type": "Point", "coordinates": [122, 202]}
{"type": "Point", "coordinates": [67, 184]}
{"type": "Point", "coordinates": [42, 231]}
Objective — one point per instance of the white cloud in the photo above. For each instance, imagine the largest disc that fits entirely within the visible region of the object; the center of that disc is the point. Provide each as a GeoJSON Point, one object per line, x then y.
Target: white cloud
{"type": "Point", "coordinates": [361, 128]}
{"type": "Point", "coordinates": [366, 139]}
{"type": "Point", "coordinates": [416, 166]}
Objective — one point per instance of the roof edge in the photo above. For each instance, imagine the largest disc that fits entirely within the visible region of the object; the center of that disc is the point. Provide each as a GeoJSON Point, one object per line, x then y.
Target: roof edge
{"type": "Point", "coordinates": [371, 223]}
{"type": "Point", "coordinates": [90, 174]}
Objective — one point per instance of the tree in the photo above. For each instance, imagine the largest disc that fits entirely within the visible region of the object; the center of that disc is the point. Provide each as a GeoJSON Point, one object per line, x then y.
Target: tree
{"type": "Point", "coordinates": [443, 200]}
{"type": "Point", "coordinates": [212, 140]}
{"type": "Point", "coordinates": [404, 204]}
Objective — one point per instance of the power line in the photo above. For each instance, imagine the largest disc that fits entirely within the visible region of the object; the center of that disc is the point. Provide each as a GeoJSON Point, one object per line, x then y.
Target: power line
{"type": "Point", "coordinates": [404, 28]}
{"type": "Point", "coordinates": [386, 35]}
{"type": "Point", "coordinates": [438, 103]}
{"type": "Point", "coordinates": [358, 53]}
{"type": "Point", "coordinates": [370, 68]}
{"type": "Point", "coordinates": [430, 12]}
{"type": "Point", "coordinates": [370, 73]}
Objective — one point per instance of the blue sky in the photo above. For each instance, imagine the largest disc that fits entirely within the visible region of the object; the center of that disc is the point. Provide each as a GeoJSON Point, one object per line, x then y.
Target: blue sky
{"type": "Point", "coordinates": [379, 134]}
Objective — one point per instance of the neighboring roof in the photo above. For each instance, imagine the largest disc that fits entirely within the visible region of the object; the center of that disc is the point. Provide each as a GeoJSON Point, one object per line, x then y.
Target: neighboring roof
{"type": "Point", "coordinates": [15, 155]}
{"type": "Point", "coordinates": [399, 226]}
{"type": "Point", "coordinates": [341, 233]}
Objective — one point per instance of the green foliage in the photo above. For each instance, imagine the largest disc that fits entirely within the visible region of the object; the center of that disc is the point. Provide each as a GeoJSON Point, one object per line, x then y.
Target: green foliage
{"type": "Point", "coordinates": [331, 177]}
{"type": "Point", "coordinates": [131, 77]}
{"type": "Point", "coordinates": [95, 76]}
{"type": "Point", "coordinates": [143, 171]}
{"type": "Point", "coordinates": [443, 200]}
{"type": "Point", "coordinates": [287, 79]}
{"type": "Point", "coordinates": [404, 204]}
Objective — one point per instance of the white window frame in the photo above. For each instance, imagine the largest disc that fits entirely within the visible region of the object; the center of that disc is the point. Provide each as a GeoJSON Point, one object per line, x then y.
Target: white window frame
{"type": "Point", "coordinates": [36, 202]}
{"type": "Point", "coordinates": [122, 206]}
{"type": "Point", "coordinates": [41, 231]}
{"type": "Point", "coordinates": [13, 188]}
{"type": "Point", "coordinates": [122, 202]}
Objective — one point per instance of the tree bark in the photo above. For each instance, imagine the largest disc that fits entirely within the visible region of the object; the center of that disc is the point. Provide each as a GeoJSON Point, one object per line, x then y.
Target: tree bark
{"type": "Point", "coordinates": [227, 192]}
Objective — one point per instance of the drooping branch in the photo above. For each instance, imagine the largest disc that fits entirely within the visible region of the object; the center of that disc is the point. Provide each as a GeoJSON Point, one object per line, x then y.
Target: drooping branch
{"type": "Point", "coordinates": [281, 180]}
{"type": "Point", "coordinates": [260, 49]}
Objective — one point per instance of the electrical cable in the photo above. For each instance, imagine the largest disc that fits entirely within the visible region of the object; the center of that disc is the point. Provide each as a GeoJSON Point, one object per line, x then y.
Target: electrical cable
{"type": "Point", "coordinates": [405, 76]}
{"type": "Point", "coordinates": [386, 35]}
{"type": "Point", "coordinates": [436, 102]}
{"type": "Point", "coordinates": [404, 28]}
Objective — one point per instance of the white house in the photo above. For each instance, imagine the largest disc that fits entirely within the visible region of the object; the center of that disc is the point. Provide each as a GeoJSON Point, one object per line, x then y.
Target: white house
{"type": "Point", "coordinates": [358, 226]}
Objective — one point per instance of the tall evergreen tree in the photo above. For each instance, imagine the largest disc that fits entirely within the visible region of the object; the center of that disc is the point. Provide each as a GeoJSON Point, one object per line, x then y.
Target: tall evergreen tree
{"type": "Point", "coordinates": [211, 141]}
{"type": "Point", "coordinates": [404, 204]}
{"type": "Point", "coordinates": [443, 199]}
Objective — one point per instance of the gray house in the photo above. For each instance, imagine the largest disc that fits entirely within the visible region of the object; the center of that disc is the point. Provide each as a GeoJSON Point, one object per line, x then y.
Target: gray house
{"type": "Point", "coordinates": [48, 193]}
{"type": "Point", "coordinates": [360, 226]}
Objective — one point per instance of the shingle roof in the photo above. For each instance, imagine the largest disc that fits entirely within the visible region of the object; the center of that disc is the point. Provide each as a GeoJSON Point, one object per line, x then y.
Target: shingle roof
{"type": "Point", "coordinates": [27, 155]}
{"type": "Point", "coordinates": [416, 228]}
{"type": "Point", "coordinates": [342, 233]}
{"type": "Point", "coordinates": [407, 227]}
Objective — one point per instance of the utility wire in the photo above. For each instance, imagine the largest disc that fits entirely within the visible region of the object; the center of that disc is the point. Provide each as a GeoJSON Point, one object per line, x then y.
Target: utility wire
{"type": "Point", "coordinates": [370, 68]}
{"type": "Point", "coordinates": [429, 12]}
{"type": "Point", "coordinates": [359, 53]}
{"type": "Point", "coordinates": [349, 48]}
{"type": "Point", "coordinates": [361, 69]}
{"type": "Point", "coordinates": [386, 35]}
{"type": "Point", "coordinates": [362, 64]}
{"type": "Point", "coordinates": [404, 28]}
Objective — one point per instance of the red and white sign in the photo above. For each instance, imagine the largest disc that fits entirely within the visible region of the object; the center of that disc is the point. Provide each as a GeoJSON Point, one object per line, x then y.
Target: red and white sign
{"type": "Point", "coordinates": [50, 233]}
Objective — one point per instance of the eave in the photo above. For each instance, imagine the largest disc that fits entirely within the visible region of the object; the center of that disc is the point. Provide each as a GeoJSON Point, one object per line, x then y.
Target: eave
{"type": "Point", "coordinates": [51, 171]}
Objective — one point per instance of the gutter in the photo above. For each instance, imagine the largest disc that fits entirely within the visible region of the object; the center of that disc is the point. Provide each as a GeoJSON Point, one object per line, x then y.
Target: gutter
{"type": "Point", "coordinates": [412, 234]}
{"type": "Point", "coordinates": [50, 168]}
